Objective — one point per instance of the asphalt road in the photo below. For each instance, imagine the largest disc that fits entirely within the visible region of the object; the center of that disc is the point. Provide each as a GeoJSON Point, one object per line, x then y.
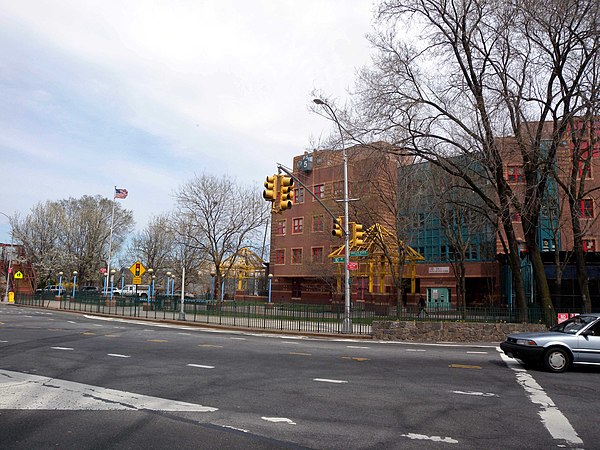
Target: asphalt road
{"type": "Point", "coordinates": [78, 381]}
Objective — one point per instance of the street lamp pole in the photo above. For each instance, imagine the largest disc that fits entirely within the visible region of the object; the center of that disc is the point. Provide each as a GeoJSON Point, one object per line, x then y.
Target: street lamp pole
{"type": "Point", "coordinates": [74, 282]}
{"type": "Point", "coordinates": [347, 323]}
{"type": "Point", "coordinates": [182, 310]}
{"type": "Point", "coordinates": [8, 270]}
{"type": "Point", "coordinates": [270, 286]}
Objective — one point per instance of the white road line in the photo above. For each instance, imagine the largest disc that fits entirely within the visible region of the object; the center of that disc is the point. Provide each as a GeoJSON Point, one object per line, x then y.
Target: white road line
{"type": "Point", "coordinates": [238, 338]}
{"type": "Point", "coordinates": [481, 394]}
{"type": "Point", "coordinates": [422, 437]}
{"type": "Point", "coordinates": [201, 366]}
{"type": "Point", "coordinates": [355, 346]}
{"type": "Point", "coordinates": [185, 334]}
{"type": "Point", "coordinates": [553, 419]}
{"type": "Point", "coordinates": [279, 420]}
{"type": "Point", "coordinates": [415, 350]}
{"type": "Point", "coordinates": [327, 380]}
{"type": "Point", "coordinates": [61, 348]}
{"type": "Point", "coordinates": [70, 321]}
{"type": "Point", "coordinates": [3, 342]}
{"type": "Point", "coordinates": [32, 392]}
{"type": "Point", "coordinates": [291, 343]}
{"type": "Point", "coordinates": [478, 353]}
{"type": "Point", "coordinates": [117, 355]}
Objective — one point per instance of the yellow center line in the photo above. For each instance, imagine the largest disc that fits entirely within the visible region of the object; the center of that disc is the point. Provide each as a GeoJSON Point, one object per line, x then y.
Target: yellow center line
{"type": "Point", "coordinates": [355, 358]}
{"type": "Point", "coordinates": [463, 366]}
{"type": "Point", "coordinates": [89, 333]}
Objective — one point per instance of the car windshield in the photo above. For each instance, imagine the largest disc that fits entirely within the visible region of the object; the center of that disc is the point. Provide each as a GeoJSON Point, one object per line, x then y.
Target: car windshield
{"type": "Point", "coordinates": [573, 325]}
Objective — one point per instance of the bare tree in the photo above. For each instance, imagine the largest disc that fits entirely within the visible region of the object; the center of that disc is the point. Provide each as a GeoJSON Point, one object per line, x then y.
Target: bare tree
{"type": "Point", "coordinates": [72, 234]}
{"type": "Point", "coordinates": [217, 217]}
{"type": "Point", "coordinates": [482, 70]}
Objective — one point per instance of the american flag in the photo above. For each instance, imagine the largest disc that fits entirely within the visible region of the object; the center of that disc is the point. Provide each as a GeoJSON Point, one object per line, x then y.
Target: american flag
{"type": "Point", "coordinates": [121, 193]}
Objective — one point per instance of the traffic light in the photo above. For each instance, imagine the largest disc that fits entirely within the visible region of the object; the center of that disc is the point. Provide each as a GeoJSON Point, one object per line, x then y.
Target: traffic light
{"type": "Point", "coordinates": [358, 235]}
{"type": "Point", "coordinates": [270, 192]}
{"type": "Point", "coordinates": [285, 192]}
{"type": "Point", "coordinates": [337, 228]}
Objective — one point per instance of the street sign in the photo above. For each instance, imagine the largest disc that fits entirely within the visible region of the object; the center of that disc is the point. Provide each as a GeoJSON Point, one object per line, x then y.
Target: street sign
{"type": "Point", "coordinates": [137, 280]}
{"type": "Point", "coordinates": [137, 269]}
{"type": "Point", "coordinates": [352, 265]}
{"type": "Point", "coordinates": [359, 253]}
{"type": "Point", "coordinates": [339, 259]}
{"type": "Point", "coordinates": [18, 275]}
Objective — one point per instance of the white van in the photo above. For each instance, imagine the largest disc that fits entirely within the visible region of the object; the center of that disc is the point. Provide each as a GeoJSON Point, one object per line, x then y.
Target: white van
{"type": "Point", "coordinates": [132, 290]}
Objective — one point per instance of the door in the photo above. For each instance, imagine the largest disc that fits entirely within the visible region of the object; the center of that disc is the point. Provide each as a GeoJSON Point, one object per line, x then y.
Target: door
{"type": "Point", "coordinates": [438, 298]}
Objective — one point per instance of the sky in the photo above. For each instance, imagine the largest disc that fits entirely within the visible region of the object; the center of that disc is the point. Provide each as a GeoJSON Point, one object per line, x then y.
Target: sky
{"type": "Point", "coordinates": [147, 94]}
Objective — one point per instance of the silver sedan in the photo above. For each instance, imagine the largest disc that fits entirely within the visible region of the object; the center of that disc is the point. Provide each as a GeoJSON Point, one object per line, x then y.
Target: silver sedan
{"type": "Point", "coordinates": [574, 341]}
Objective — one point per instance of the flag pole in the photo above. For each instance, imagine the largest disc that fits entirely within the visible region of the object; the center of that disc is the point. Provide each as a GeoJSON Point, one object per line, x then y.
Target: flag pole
{"type": "Point", "coordinates": [112, 220]}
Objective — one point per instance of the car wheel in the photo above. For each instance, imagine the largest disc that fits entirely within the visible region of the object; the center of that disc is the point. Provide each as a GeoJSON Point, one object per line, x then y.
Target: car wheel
{"type": "Point", "coordinates": [557, 360]}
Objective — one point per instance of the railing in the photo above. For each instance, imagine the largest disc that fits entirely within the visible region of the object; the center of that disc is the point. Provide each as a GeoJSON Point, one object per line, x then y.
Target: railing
{"type": "Point", "coordinates": [274, 316]}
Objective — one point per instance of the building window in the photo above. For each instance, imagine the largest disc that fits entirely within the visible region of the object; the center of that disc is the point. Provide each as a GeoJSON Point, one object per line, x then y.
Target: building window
{"type": "Point", "coordinates": [298, 225]}
{"type": "Point", "coordinates": [338, 188]}
{"type": "Point", "coordinates": [299, 195]}
{"type": "Point", "coordinates": [280, 227]}
{"type": "Point", "coordinates": [296, 256]}
{"type": "Point", "coordinates": [319, 191]}
{"type": "Point", "coordinates": [514, 174]}
{"type": "Point", "coordinates": [589, 245]}
{"type": "Point", "coordinates": [280, 256]}
{"type": "Point", "coordinates": [587, 208]}
{"type": "Point", "coordinates": [318, 225]}
{"type": "Point", "coordinates": [317, 255]}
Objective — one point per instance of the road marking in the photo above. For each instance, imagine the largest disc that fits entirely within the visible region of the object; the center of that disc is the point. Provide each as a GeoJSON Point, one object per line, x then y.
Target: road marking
{"type": "Point", "coordinates": [235, 428]}
{"type": "Point", "coordinates": [463, 366]}
{"type": "Point", "coordinates": [291, 343]}
{"type": "Point", "coordinates": [185, 334]}
{"type": "Point", "coordinates": [238, 338]}
{"type": "Point", "coordinates": [477, 353]}
{"type": "Point", "coordinates": [553, 419]}
{"type": "Point", "coordinates": [61, 348]}
{"type": "Point", "coordinates": [415, 350]}
{"type": "Point", "coordinates": [355, 346]}
{"type": "Point", "coordinates": [422, 437]}
{"type": "Point", "coordinates": [156, 340]}
{"type": "Point", "coordinates": [112, 335]}
{"type": "Point", "coordinates": [3, 341]}
{"type": "Point", "coordinates": [30, 392]}
{"type": "Point", "coordinates": [200, 366]}
{"type": "Point", "coordinates": [279, 420]}
{"type": "Point", "coordinates": [70, 321]}
{"type": "Point", "coordinates": [327, 380]}
{"type": "Point", "coordinates": [481, 394]}
{"type": "Point", "coordinates": [89, 333]}
{"type": "Point", "coordinates": [355, 358]}
{"type": "Point", "coordinates": [117, 355]}
{"type": "Point", "coordinates": [210, 345]}
{"type": "Point", "coordinates": [300, 354]}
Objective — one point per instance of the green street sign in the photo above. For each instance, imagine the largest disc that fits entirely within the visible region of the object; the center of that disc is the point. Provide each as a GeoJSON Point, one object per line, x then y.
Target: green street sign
{"type": "Point", "coordinates": [339, 259]}
{"type": "Point", "coordinates": [359, 253]}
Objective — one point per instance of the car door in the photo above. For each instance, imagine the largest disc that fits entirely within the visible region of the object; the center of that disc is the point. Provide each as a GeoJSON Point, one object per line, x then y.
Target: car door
{"type": "Point", "coordinates": [588, 344]}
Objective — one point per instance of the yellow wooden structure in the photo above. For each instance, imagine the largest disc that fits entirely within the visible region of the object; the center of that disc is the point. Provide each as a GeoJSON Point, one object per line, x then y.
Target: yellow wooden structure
{"type": "Point", "coordinates": [379, 250]}
{"type": "Point", "coordinates": [243, 265]}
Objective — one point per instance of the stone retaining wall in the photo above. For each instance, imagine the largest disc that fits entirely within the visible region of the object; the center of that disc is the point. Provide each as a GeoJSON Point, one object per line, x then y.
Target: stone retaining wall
{"type": "Point", "coordinates": [423, 331]}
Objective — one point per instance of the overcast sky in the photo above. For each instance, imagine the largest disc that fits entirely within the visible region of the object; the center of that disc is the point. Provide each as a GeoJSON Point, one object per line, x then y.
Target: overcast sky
{"type": "Point", "coordinates": [145, 94]}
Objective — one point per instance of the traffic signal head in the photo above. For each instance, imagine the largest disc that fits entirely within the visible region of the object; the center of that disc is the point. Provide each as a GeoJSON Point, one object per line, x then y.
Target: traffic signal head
{"type": "Point", "coordinates": [270, 192]}
{"type": "Point", "coordinates": [285, 192]}
{"type": "Point", "coordinates": [337, 229]}
{"type": "Point", "coordinates": [358, 235]}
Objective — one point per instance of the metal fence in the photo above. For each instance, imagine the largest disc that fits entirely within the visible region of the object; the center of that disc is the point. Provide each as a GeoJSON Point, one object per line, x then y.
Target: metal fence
{"type": "Point", "coordinates": [264, 316]}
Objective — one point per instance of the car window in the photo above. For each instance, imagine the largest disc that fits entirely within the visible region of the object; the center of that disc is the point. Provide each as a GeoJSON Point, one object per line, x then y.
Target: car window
{"type": "Point", "coordinates": [573, 325]}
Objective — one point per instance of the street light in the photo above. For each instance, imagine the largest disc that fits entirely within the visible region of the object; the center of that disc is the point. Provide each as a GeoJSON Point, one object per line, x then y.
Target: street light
{"type": "Point", "coordinates": [150, 284]}
{"type": "Point", "coordinates": [270, 284]}
{"type": "Point", "coordinates": [8, 270]}
{"type": "Point", "coordinates": [74, 282]}
{"type": "Point", "coordinates": [182, 302]}
{"type": "Point", "coordinates": [347, 323]}
{"type": "Point", "coordinates": [112, 282]}
{"type": "Point", "coordinates": [60, 274]}
{"type": "Point", "coordinates": [212, 285]}
{"type": "Point", "coordinates": [168, 283]}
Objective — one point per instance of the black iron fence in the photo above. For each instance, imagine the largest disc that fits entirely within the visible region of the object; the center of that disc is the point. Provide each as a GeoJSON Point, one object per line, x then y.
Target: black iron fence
{"type": "Point", "coordinates": [270, 316]}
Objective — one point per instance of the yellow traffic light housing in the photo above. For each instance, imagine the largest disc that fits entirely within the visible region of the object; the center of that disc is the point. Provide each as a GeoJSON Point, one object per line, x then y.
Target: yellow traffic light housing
{"type": "Point", "coordinates": [285, 192]}
{"type": "Point", "coordinates": [337, 228]}
{"type": "Point", "coordinates": [358, 235]}
{"type": "Point", "coordinates": [270, 192]}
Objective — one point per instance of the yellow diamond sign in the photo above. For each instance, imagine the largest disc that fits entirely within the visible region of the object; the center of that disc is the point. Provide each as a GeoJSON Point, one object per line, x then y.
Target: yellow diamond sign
{"type": "Point", "coordinates": [137, 269]}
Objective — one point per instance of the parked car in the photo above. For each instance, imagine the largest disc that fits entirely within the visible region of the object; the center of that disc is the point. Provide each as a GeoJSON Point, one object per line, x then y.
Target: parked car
{"type": "Point", "coordinates": [574, 341]}
{"type": "Point", "coordinates": [186, 295]}
{"type": "Point", "coordinates": [132, 290]}
{"type": "Point", "coordinates": [89, 289]}
{"type": "Point", "coordinates": [52, 289]}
